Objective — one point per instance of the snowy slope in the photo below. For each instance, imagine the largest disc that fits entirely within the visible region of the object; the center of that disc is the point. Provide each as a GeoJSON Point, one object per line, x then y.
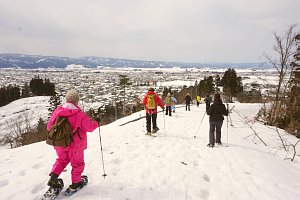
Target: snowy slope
{"type": "Point", "coordinates": [172, 166]}
{"type": "Point", "coordinates": [31, 108]}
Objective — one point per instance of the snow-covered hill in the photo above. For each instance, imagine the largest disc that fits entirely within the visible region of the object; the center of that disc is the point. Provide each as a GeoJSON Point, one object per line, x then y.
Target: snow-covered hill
{"type": "Point", "coordinates": [17, 112]}
{"type": "Point", "coordinates": [172, 166]}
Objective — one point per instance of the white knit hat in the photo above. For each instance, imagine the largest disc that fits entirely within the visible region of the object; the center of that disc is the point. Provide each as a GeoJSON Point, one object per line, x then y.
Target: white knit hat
{"type": "Point", "coordinates": [72, 96]}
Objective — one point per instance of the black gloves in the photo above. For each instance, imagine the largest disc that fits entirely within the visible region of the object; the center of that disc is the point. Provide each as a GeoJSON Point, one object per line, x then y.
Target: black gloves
{"type": "Point", "coordinates": [97, 118]}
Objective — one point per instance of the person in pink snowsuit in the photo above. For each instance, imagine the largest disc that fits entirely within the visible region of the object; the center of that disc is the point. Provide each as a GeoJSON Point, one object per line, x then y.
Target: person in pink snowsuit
{"type": "Point", "coordinates": [81, 123]}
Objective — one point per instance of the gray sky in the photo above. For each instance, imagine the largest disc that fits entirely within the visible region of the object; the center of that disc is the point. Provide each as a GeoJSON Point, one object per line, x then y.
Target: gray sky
{"type": "Point", "coordinates": [165, 30]}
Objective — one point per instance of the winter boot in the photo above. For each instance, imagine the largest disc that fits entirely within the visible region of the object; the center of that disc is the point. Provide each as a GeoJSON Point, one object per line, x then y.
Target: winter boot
{"type": "Point", "coordinates": [54, 181]}
{"type": "Point", "coordinates": [154, 130]}
{"type": "Point", "coordinates": [55, 187]}
{"type": "Point", "coordinates": [148, 133]}
{"type": "Point", "coordinates": [210, 145]}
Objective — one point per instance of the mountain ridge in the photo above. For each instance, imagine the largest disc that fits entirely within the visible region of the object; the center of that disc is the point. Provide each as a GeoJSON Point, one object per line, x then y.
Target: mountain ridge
{"type": "Point", "coordinates": [13, 60]}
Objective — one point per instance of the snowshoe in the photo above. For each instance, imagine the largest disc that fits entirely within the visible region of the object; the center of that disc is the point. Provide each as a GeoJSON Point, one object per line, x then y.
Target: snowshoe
{"type": "Point", "coordinates": [75, 187]}
{"type": "Point", "coordinates": [210, 145]}
{"type": "Point", "coordinates": [55, 188]}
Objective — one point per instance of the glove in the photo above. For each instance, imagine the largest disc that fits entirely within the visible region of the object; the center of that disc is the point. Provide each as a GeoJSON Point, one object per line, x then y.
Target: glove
{"type": "Point", "coordinates": [97, 118]}
{"type": "Point", "coordinates": [163, 108]}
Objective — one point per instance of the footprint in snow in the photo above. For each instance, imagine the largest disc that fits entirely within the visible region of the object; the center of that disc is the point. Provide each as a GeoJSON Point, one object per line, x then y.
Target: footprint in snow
{"type": "Point", "coordinates": [204, 193]}
{"type": "Point", "coordinates": [36, 166]}
{"type": "Point", "coordinates": [206, 178]}
{"type": "Point", "coordinates": [4, 183]}
{"type": "Point", "coordinates": [22, 173]}
{"type": "Point", "coordinates": [37, 188]}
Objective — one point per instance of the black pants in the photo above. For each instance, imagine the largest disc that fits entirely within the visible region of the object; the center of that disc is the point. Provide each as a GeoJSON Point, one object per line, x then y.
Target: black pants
{"type": "Point", "coordinates": [148, 121]}
{"type": "Point", "coordinates": [207, 106]}
{"type": "Point", "coordinates": [215, 126]}
{"type": "Point", "coordinates": [168, 110]}
{"type": "Point", "coordinates": [187, 106]}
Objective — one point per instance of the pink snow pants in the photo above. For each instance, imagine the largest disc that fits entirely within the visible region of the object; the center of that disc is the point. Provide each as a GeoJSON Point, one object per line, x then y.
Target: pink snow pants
{"type": "Point", "coordinates": [66, 155]}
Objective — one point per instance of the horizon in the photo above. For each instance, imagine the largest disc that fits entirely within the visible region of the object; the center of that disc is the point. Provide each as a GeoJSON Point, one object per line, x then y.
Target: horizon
{"type": "Point", "coordinates": [93, 56]}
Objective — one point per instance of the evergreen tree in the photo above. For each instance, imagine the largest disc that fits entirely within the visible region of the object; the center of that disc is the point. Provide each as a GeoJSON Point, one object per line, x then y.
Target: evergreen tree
{"type": "Point", "coordinates": [206, 86]}
{"type": "Point", "coordinates": [218, 81]}
{"type": "Point", "coordinates": [49, 88]}
{"type": "Point", "coordinates": [54, 102]}
{"type": "Point", "coordinates": [42, 129]}
{"type": "Point", "coordinates": [124, 81]}
{"type": "Point", "coordinates": [232, 84]}
{"type": "Point", "coordinates": [40, 87]}
{"type": "Point", "coordinates": [166, 91]}
{"type": "Point", "coordinates": [25, 91]}
{"type": "Point", "coordinates": [36, 86]}
{"type": "Point", "coordinates": [9, 94]}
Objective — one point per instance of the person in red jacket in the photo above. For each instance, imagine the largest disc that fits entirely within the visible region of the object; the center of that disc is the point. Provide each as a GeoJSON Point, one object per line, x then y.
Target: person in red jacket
{"type": "Point", "coordinates": [150, 101]}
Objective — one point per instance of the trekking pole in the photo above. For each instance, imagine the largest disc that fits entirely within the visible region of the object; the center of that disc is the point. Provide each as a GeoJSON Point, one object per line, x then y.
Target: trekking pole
{"type": "Point", "coordinates": [227, 122]}
{"type": "Point", "coordinates": [104, 174]}
{"type": "Point", "coordinates": [142, 120]}
{"type": "Point", "coordinates": [200, 124]}
{"type": "Point", "coordinates": [164, 122]}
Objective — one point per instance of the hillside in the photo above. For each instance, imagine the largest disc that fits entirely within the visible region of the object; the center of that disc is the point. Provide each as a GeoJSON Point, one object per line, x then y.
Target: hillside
{"type": "Point", "coordinates": [172, 166]}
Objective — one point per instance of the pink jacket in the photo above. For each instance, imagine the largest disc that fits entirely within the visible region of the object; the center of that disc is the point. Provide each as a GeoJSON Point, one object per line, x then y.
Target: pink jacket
{"type": "Point", "coordinates": [157, 101]}
{"type": "Point", "coordinates": [78, 120]}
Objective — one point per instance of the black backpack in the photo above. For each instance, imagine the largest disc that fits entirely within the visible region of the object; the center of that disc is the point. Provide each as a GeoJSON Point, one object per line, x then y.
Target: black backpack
{"type": "Point", "coordinates": [61, 133]}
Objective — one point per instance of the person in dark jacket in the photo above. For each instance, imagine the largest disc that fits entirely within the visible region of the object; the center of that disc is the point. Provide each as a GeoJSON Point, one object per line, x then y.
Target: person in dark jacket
{"type": "Point", "coordinates": [216, 112]}
{"type": "Point", "coordinates": [188, 100]}
{"type": "Point", "coordinates": [207, 101]}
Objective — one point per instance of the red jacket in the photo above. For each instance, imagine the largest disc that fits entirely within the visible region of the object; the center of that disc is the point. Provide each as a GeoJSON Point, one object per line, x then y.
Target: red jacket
{"type": "Point", "coordinates": [157, 101]}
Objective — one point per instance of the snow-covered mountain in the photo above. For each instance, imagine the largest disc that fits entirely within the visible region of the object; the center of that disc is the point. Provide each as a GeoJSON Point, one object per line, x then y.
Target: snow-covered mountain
{"type": "Point", "coordinates": [175, 165]}
{"type": "Point", "coordinates": [39, 61]}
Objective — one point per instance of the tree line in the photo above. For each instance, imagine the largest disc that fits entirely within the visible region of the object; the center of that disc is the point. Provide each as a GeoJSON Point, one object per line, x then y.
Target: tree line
{"type": "Point", "coordinates": [230, 85]}
{"type": "Point", "coordinates": [36, 87]}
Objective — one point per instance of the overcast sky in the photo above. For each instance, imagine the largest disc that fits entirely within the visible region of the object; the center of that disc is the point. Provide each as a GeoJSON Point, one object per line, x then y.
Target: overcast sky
{"type": "Point", "coordinates": [162, 30]}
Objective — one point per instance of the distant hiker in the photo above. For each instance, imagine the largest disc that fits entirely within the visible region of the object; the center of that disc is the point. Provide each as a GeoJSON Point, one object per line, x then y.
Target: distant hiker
{"type": "Point", "coordinates": [198, 99]}
{"type": "Point", "coordinates": [150, 101]}
{"type": "Point", "coordinates": [80, 123]}
{"type": "Point", "coordinates": [216, 112]}
{"type": "Point", "coordinates": [173, 107]}
{"type": "Point", "coordinates": [168, 103]}
{"type": "Point", "coordinates": [207, 101]}
{"type": "Point", "coordinates": [138, 105]}
{"type": "Point", "coordinates": [188, 100]}
{"type": "Point", "coordinates": [138, 102]}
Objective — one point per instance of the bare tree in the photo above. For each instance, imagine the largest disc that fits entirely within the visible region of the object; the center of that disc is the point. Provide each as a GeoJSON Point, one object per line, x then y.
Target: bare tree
{"type": "Point", "coordinates": [284, 50]}
{"type": "Point", "coordinates": [124, 81]}
{"type": "Point", "coordinates": [16, 131]}
{"type": "Point", "coordinates": [14, 134]}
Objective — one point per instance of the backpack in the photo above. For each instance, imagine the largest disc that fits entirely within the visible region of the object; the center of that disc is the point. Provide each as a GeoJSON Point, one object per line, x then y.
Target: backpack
{"type": "Point", "coordinates": [151, 101]}
{"type": "Point", "coordinates": [168, 100]}
{"type": "Point", "coordinates": [61, 133]}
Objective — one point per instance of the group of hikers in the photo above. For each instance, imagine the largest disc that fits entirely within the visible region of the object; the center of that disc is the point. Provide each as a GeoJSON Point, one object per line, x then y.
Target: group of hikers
{"type": "Point", "coordinates": [81, 123]}
{"type": "Point", "coordinates": [215, 111]}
